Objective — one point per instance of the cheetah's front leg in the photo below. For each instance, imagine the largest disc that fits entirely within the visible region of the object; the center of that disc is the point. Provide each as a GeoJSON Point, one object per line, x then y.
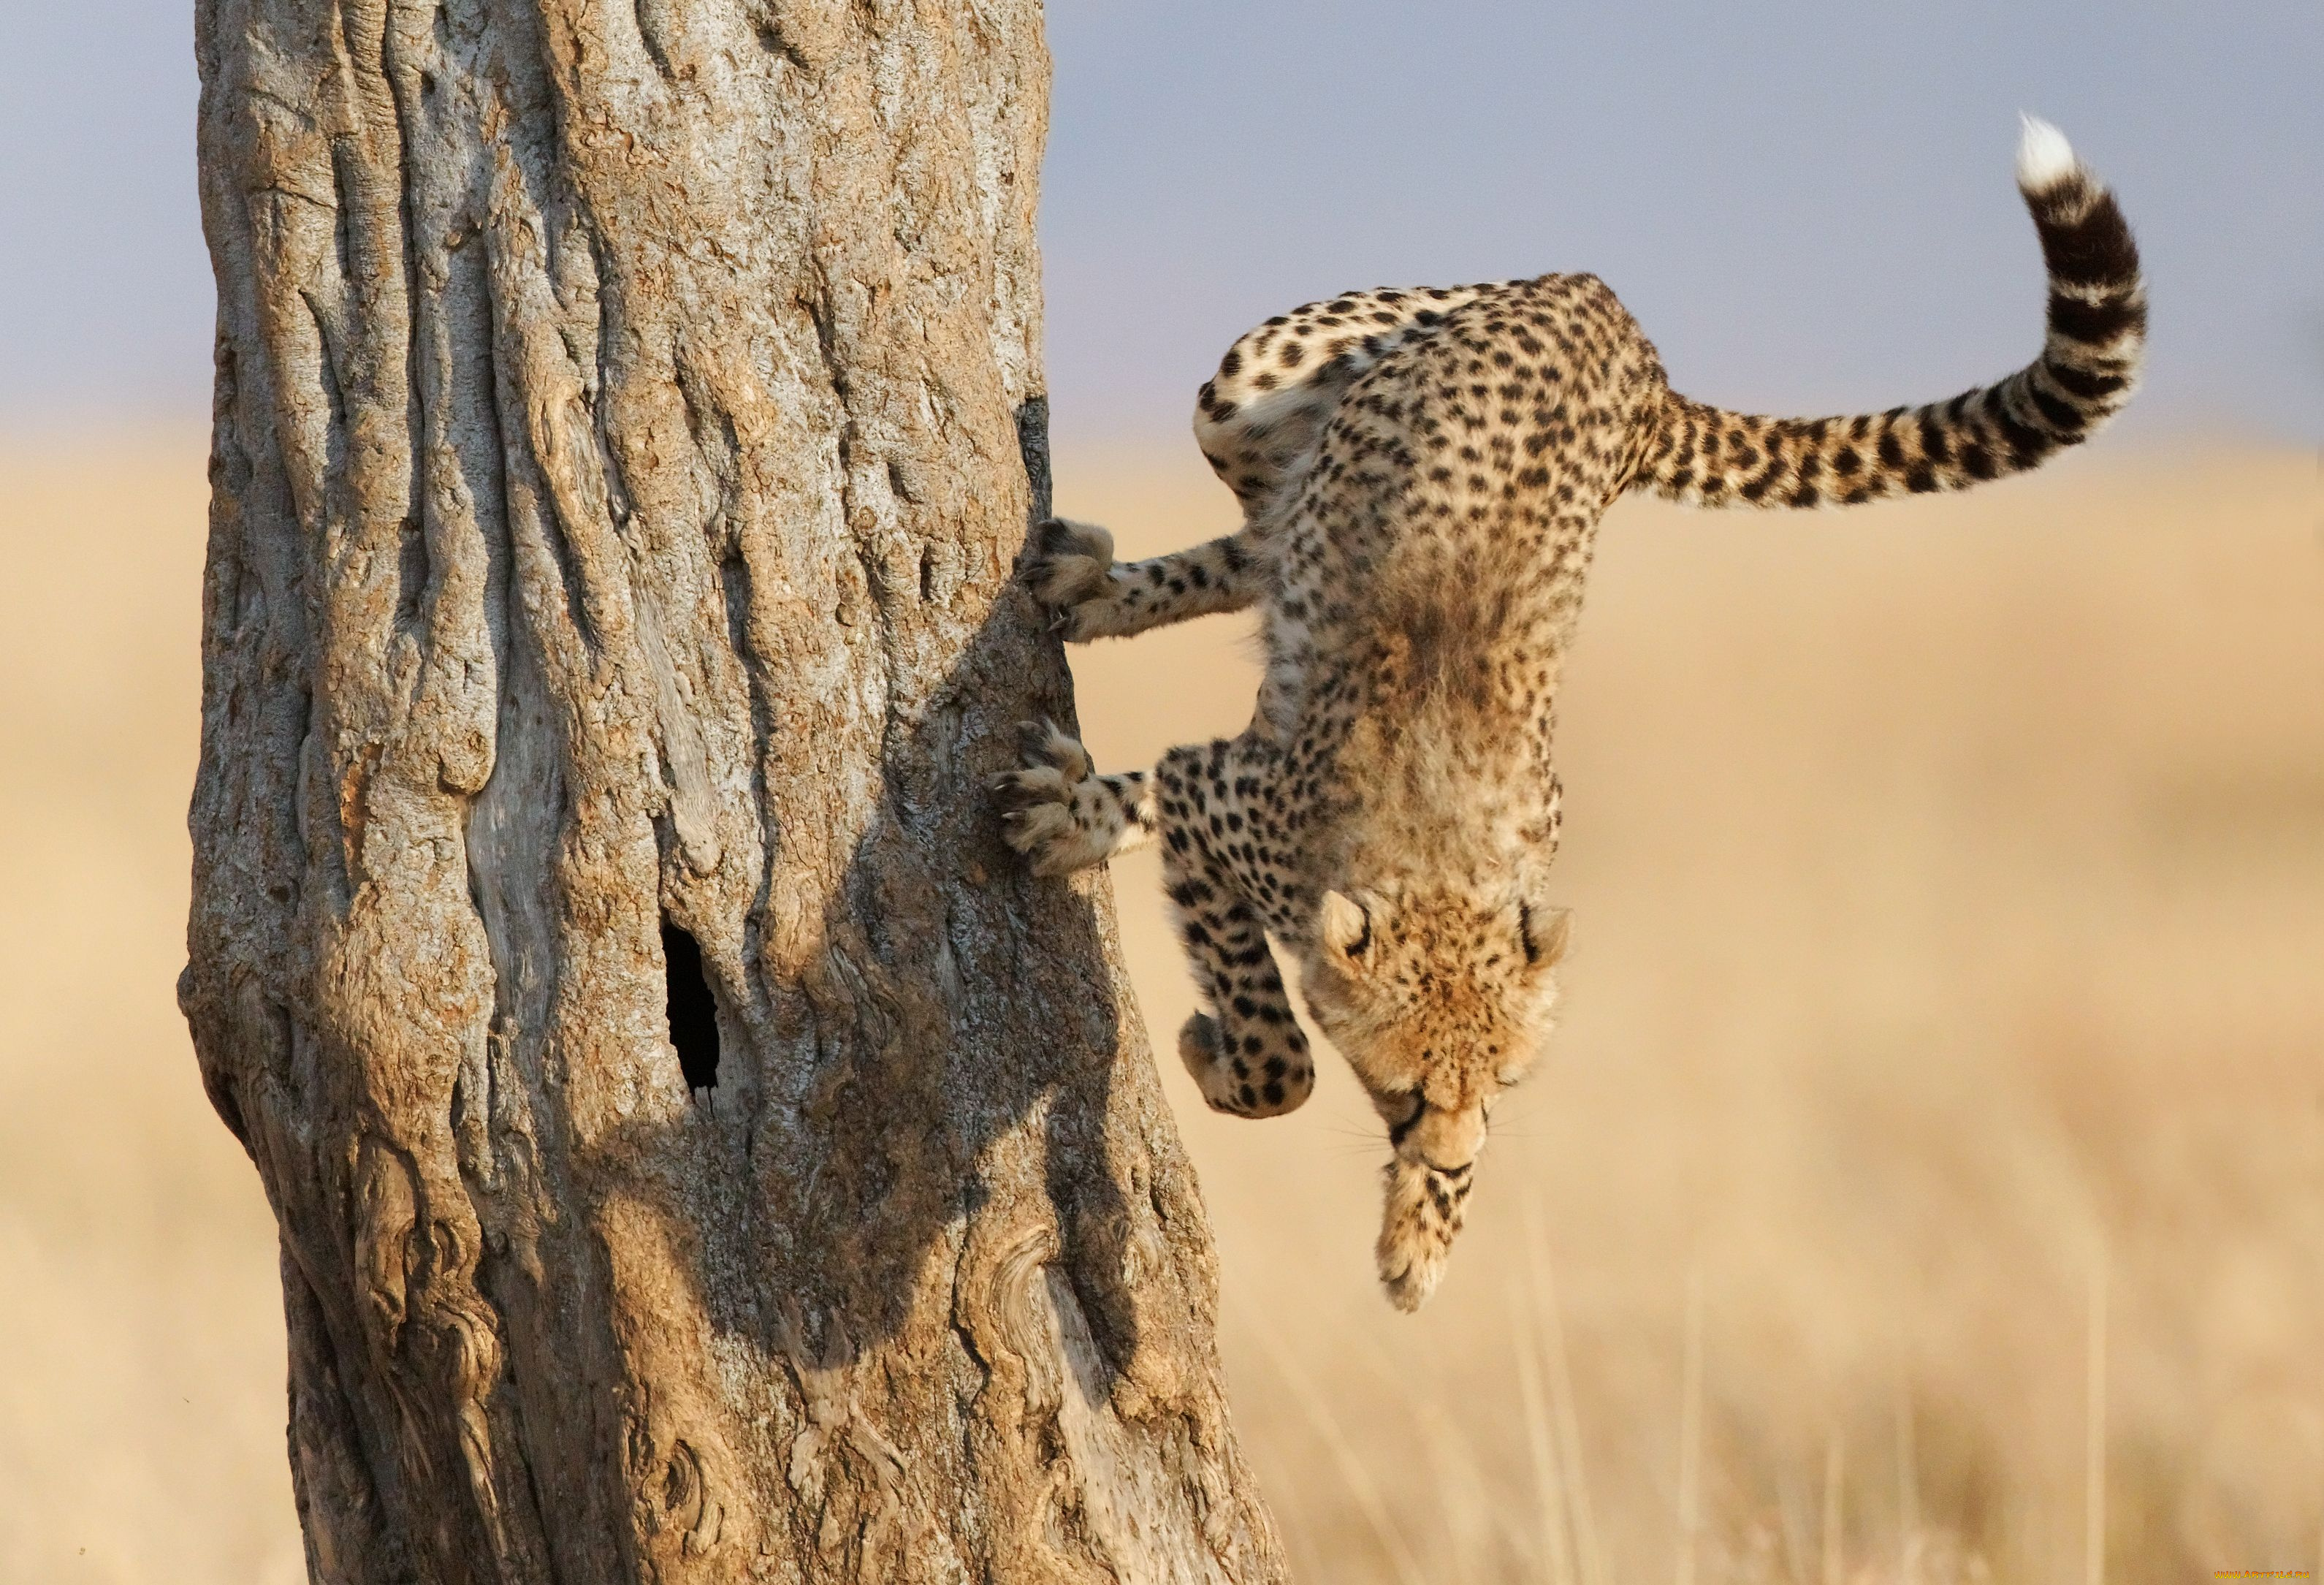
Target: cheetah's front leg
{"type": "Point", "coordinates": [1248, 1053]}
{"type": "Point", "coordinates": [1071, 570]}
{"type": "Point", "coordinates": [1061, 815]}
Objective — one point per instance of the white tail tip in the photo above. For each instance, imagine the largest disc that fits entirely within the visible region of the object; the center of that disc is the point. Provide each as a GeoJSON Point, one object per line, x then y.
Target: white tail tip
{"type": "Point", "coordinates": [2044, 157]}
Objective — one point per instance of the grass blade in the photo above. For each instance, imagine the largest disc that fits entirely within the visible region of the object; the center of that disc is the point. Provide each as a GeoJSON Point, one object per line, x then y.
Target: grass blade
{"type": "Point", "coordinates": [1359, 1480]}
{"type": "Point", "coordinates": [1690, 1434]}
{"type": "Point", "coordinates": [1557, 1542]}
{"type": "Point", "coordinates": [1590, 1562]}
{"type": "Point", "coordinates": [2094, 1482]}
{"type": "Point", "coordinates": [1835, 1512]}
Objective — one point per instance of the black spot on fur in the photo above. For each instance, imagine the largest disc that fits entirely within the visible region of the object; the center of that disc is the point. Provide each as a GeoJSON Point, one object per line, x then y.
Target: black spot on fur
{"type": "Point", "coordinates": [2096, 324]}
{"type": "Point", "coordinates": [2090, 386]}
{"type": "Point", "coordinates": [2060, 415]}
{"type": "Point", "coordinates": [2095, 250]}
{"type": "Point", "coordinates": [2030, 444]}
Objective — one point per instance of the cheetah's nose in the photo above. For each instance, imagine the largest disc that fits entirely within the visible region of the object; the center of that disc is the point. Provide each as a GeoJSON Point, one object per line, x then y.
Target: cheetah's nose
{"type": "Point", "coordinates": [1439, 1134]}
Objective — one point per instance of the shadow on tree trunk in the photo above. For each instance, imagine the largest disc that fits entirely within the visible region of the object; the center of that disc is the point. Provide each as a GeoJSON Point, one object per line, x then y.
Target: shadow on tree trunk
{"type": "Point", "coordinates": [624, 419]}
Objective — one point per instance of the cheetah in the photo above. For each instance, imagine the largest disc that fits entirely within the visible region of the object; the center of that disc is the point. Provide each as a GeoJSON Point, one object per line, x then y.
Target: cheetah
{"type": "Point", "coordinates": [1421, 474]}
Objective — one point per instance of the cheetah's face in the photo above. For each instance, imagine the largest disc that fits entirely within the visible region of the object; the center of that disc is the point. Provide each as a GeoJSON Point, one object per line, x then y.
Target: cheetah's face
{"type": "Point", "coordinates": [1439, 1001]}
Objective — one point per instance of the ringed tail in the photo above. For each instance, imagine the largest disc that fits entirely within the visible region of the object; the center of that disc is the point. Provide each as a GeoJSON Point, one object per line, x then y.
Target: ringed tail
{"type": "Point", "coordinates": [2089, 365]}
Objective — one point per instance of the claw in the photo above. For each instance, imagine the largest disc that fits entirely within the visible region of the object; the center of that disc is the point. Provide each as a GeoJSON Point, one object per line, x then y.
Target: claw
{"type": "Point", "coordinates": [1046, 744]}
{"type": "Point", "coordinates": [1037, 785]}
{"type": "Point", "coordinates": [1037, 801]}
{"type": "Point", "coordinates": [1069, 569]}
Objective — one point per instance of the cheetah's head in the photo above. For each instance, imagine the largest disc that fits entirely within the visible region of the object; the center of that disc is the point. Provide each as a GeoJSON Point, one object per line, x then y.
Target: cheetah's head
{"type": "Point", "coordinates": [1440, 999]}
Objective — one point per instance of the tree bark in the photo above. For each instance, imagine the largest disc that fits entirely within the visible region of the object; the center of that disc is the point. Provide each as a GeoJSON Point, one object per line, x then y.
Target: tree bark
{"type": "Point", "coordinates": [627, 415]}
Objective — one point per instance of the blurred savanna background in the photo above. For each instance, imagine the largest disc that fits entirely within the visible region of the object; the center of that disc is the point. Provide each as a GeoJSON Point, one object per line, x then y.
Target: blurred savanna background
{"type": "Point", "coordinates": [1927, 1180]}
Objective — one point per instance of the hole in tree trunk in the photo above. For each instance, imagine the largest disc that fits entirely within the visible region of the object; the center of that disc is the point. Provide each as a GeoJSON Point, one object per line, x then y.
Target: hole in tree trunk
{"type": "Point", "coordinates": [693, 1015]}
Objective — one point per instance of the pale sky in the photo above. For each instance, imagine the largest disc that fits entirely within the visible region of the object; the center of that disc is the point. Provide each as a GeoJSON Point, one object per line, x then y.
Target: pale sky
{"type": "Point", "coordinates": [1807, 204]}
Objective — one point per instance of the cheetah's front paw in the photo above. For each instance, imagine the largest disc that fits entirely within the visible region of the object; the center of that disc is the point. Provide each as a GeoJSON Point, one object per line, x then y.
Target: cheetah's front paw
{"type": "Point", "coordinates": [1070, 571]}
{"type": "Point", "coordinates": [1052, 809]}
{"type": "Point", "coordinates": [1425, 1206]}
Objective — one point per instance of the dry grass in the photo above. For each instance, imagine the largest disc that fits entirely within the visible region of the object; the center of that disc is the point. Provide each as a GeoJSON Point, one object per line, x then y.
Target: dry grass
{"type": "Point", "coordinates": [1948, 999]}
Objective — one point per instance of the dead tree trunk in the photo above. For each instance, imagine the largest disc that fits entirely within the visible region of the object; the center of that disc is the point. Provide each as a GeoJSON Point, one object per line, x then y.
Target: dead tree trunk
{"type": "Point", "coordinates": [626, 418]}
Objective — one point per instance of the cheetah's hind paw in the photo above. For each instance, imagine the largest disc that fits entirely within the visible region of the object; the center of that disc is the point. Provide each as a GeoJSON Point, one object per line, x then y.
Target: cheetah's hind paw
{"type": "Point", "coordinates": [1227, 1084]}
{"type": "Point", "coordinates": [1070, 571]}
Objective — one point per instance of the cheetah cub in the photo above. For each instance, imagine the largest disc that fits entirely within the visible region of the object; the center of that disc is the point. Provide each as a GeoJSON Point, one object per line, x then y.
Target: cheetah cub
{"type": "Point", "coordinates": [1421, 474]}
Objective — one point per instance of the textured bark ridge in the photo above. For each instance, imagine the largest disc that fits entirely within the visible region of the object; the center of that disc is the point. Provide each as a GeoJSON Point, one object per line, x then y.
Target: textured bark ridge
{"type": "Point", "coordinates": [627, 416]}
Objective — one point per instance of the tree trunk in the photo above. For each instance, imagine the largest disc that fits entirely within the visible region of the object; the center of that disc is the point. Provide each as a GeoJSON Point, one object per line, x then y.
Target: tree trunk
{"type": "Point", "coordinates": [627, 415]}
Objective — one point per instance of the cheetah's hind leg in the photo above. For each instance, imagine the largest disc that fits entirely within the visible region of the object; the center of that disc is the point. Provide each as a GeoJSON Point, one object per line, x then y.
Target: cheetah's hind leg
{"type": "Point", "coordinates": [1061, 815]}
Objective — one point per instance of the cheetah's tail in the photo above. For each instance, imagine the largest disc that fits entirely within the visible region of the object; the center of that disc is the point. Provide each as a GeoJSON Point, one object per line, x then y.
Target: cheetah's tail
{"type": "Point", "coordinates": [2089, 367]}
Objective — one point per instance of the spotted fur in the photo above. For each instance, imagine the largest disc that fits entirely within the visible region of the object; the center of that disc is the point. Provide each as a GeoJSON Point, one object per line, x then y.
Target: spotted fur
{"type": "Point", "coordinates": [1422, 474]}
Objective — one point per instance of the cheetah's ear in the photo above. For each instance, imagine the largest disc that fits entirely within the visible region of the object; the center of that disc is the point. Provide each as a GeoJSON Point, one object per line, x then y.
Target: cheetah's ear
{"type": "Point", "coordinates": [1347, 928]}
{"type": "Point", "coordinates": [1545, 932]}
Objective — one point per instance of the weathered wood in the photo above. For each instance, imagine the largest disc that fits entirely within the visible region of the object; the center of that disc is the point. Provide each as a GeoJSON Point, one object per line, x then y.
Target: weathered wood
{"type": "Point", "coordinates": [627, 417]}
